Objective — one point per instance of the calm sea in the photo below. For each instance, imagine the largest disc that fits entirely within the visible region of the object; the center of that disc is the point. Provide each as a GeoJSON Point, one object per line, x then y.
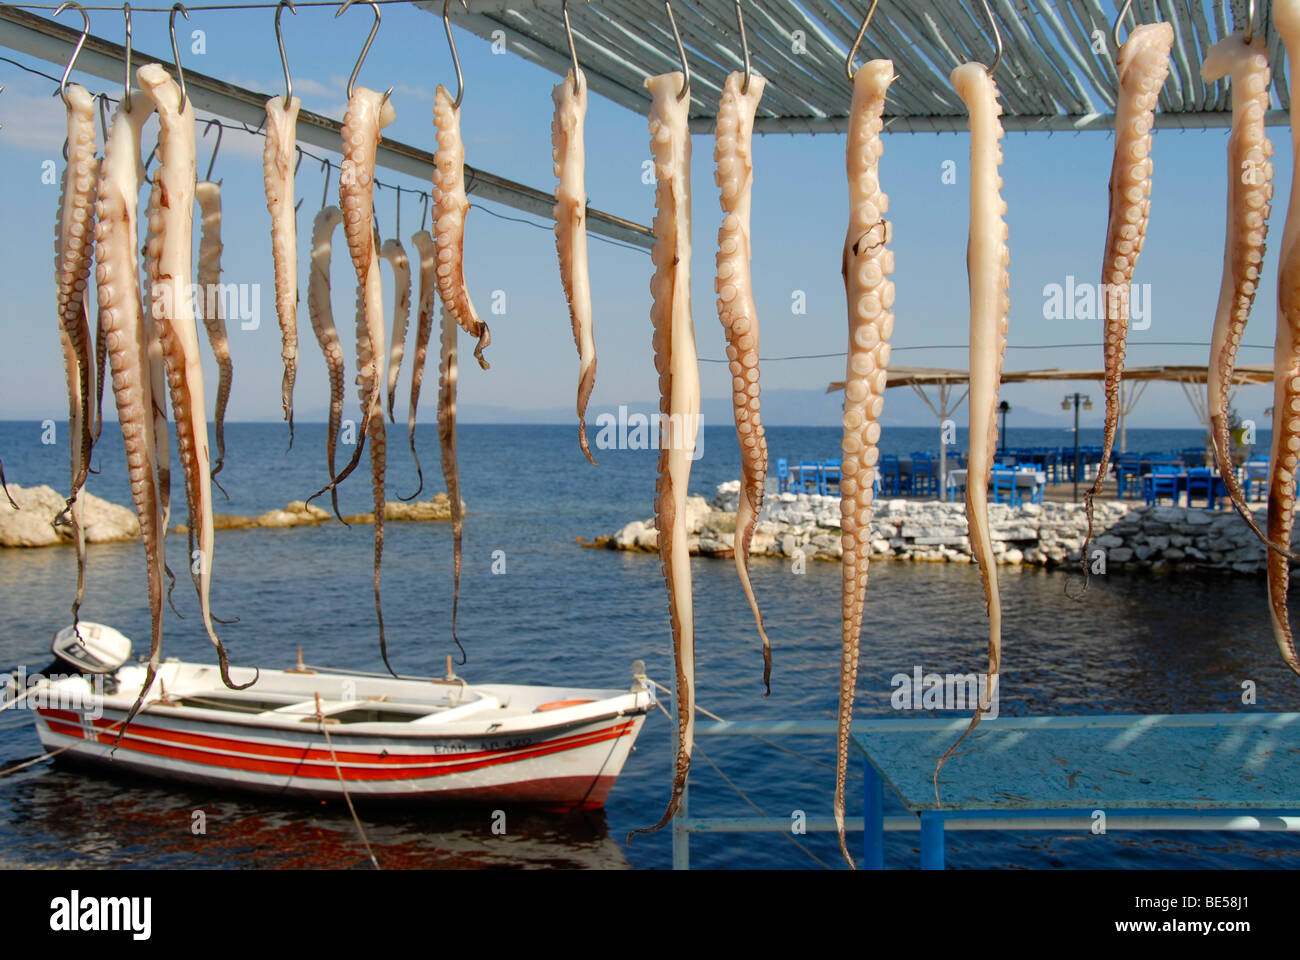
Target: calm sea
{"type": "Point", "coordinates": [565, 615]}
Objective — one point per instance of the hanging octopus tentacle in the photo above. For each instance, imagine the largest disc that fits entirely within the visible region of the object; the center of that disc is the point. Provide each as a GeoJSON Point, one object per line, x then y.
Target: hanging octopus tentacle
{"type": "Point", "coordinates": [1250, 195]}
{"type": "Point", "coordinates": [395, 254]}
{"type": "Point", "coordinates": [450, 207]}
{"type": "Point", "coordinates": [209, 275]}
{"type": "Point", "coordinates": [174, 312]}
{"type": "Point", "coordinates": [126, 336]}
{"type": "Point", "coordinates": [1285, 450]}
{"type": "Point", "coordinates": [278, 165]}
{"type": "Point", "coordinates": [867, 263]}
{"type": "Point", "coordinates": [158, 372]}
{"type": "Point", "coordinates": [73, 252]}
{"type": "Point", "coordinates": [570, 211]}
{"type": "Point", "coordinates": [368, 112]}
{"type": "Point", "coordinates": [987, 261]}
{"type": "Point", "coordinates": [447, 449]}
{"type": "Point", "coordinates": [1143, 66]}
{"type": "Point", "coordinates": [4, 484]}
{"type": "Point", "coordinates": [679, 394]}
{"type": "Point", "coordinates": [735, 289]}
{"type": "Point", "coordinates": [424, 246]}
{"type": "Point", "coordinates": [327, 334]}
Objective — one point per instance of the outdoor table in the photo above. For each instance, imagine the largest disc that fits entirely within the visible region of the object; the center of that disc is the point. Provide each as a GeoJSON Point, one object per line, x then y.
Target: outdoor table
{"type": "Point", "coordinates": [1029, 480]}
{"type": "Point", "coordinates": [1092, 773]}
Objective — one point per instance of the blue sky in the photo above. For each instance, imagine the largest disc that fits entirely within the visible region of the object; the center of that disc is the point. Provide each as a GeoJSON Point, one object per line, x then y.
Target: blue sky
{"type": "Point", "coordinates": [1056, 191]}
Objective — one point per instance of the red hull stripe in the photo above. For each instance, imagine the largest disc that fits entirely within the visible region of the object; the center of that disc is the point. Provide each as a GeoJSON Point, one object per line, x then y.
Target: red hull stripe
{"type": "Point", "coordinates": [304, 754]}
{"type": "Point", "coordinates": [443, 765]}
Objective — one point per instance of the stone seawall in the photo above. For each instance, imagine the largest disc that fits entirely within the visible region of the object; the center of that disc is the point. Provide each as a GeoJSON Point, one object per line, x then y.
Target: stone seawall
{"type": "Point", "coordinates": [1130, 535]}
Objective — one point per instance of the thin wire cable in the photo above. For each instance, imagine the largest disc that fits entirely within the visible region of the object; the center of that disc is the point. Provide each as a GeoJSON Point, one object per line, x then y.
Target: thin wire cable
{"type": "Point", "coordinates": [1010, 346]}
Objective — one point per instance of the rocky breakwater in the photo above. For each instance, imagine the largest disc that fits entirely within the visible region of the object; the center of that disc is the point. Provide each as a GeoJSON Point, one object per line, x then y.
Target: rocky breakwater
{"type": "Point", "coordinates": [32, 524]}
{"type": "Point", "coordinates": [1125, 535]}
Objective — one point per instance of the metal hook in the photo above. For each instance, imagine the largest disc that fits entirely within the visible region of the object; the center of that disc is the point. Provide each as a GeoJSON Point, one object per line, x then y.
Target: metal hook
{"type": "Point", "coordinates": [997, 36]}
{"type": "Point", "coordinates": [81, 42]}
{"type": "Point", "coordinates": [681, 51]}
{"type": "Point", "coordinates": [126, 86]}
{"type": "Point", "coordinates": [573, 52]}
{"type": "Point", "coordinates": [744, 43]}
{"type": "Point", "coordinates": [279, 42]}
{"type": "Point", "coordinates": [1124, 12]}
{"type": "Point", "coordinates": [297, 166]}
{"type": "Point", "coordinates": [103, 116]}
{"type": "Point", "coordinates": [455, 58]}
{"type": "Point", "coordinates": [149, 160]}
{"type": "Point", "coordinates": [370, 38]}
{"type": "Point", "coordinates": [176, 54]}
{"type": "Point", "coordinates": [1250, 22]}
{"type": "Point", "coordinates": [213, 158]}
{"type": "Point", "coordinates": [853, 50]}
{"type": "Point", "coordinates": [325, 193]}
{"type": "Point", "coordinates": [424, 211]}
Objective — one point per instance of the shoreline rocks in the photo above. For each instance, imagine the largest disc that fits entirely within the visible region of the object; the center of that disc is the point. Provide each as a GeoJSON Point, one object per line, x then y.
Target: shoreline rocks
{"type": "Point", "coordinates": [32, 525]}
{"type": "Point", "coordinates": [1127, 535]}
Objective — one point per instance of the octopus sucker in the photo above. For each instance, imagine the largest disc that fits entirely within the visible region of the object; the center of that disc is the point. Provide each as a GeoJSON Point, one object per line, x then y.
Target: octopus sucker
{"type": "Point", "coordinates": [209, 276]}
{"type": "Point", "coordinates": [126, 335]}
{"type": "Point", "coordinates": [174, 312]}
{"type": "Point", "coordinates": [570, 211]}
{"type": "Point", "coordinates": [327, 334]}
{"type": "Point", "coordinates": [395, 254]}
{"type": "Point", "coordinates": [1250, 196]}
{"type": "Point", "coordinates": [450, 207]}
{"type": "Point", "coordinates": [867, 263]}
{"type": "Point", "coordinates": [368, 112]}
{"type": "Point", "coordinates": [424, 246]}
{"type": "Point", "coordinates": [1286, 377]}
{"type": "Point", "coordinates": [73, 254]}
{"type": "Point", "coordinates": [987, 263]}
{"type": "Point", "coordinates": [679, 394]}
{"type": "Point", "coordinates": [1143, 66]}
{"type": "Point", "coordinates": [278, 164]}
{"type": "Point", "coordinates": [447, 449]}
{"type": "Point", "coordinates": [735, 289]}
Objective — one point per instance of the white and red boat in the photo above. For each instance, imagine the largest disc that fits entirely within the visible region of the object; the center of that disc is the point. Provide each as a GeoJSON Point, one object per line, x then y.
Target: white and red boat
{"type": "Point", "coordinates": [316, 733]}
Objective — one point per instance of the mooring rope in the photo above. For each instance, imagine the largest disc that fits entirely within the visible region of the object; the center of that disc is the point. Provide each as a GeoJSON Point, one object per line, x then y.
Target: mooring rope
{"type": "Point", "coordinates": [320, 716]}
{"type": "Point", "coordinates": [741, 793]}
{"type": "Point", "coordinates": [752, 736]}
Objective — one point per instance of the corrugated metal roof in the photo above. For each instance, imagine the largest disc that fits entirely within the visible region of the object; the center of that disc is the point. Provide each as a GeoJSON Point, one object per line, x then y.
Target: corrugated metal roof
{"type": "Point", "coordinates": [1057, 70]}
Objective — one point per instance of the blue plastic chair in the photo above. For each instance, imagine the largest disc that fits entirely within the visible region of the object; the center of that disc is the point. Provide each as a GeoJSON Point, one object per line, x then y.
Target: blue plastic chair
{"type": "Point", "coordinates": [1255, 479]}
{"type": "Point", "coordinates": [1128, 470]}
{"type": "Point", "coordinates": [830, 476]}
{"type": "Point", "coordinates": [925, 483]}
{"type": "Point", "coordinates": [1201, 483]}
{"type": "Point", "coordinates": [782, 475]}
{"type": "Point", "coordinates": [891, 475]}
{"type": "Point", "coordinates": [810, 475]}
{"type": "Point", "coordinates": [1162, 481]}
{"type": "Point", "coordinates": [1004, 483]}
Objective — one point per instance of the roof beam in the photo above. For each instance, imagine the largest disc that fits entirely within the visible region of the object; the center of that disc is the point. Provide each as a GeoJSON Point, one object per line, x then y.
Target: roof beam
{"type": "Point", "coordinates": [54, 42]}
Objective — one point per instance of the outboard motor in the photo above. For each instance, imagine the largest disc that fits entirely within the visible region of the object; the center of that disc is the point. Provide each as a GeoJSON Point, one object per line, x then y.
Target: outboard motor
{"type": "Point", "coordinates": [91, 647]}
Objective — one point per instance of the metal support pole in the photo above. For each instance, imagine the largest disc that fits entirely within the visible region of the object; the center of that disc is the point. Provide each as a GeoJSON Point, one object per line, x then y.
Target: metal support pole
{"type": "Point", "coordinates": [931, 840]}
{"type": "Point", "coordinates": [681, 832]}
{"type": "Point", "coordinates": [873, 818]}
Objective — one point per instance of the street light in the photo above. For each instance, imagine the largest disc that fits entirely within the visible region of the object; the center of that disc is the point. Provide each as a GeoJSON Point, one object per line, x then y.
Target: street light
{"type": "Point", "coordinates": [1003, 408]}
{"type": "Point", "coordinates": [1075, 400]}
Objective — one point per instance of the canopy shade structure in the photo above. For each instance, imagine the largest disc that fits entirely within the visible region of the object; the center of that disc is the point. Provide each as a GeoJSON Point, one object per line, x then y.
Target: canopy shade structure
{"type": "Point", "coordinates": [1243, 375]}
{"type": "Point", "coordinates": [54, 42]}
{"type": "Point", "coordinates": [1057, 70]}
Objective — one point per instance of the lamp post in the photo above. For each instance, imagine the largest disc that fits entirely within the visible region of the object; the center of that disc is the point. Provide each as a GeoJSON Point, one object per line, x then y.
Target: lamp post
{"type": "Point", "coordinates": [1003, 409]}
{"type": "Point", "coordinates": [1075, 399]}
